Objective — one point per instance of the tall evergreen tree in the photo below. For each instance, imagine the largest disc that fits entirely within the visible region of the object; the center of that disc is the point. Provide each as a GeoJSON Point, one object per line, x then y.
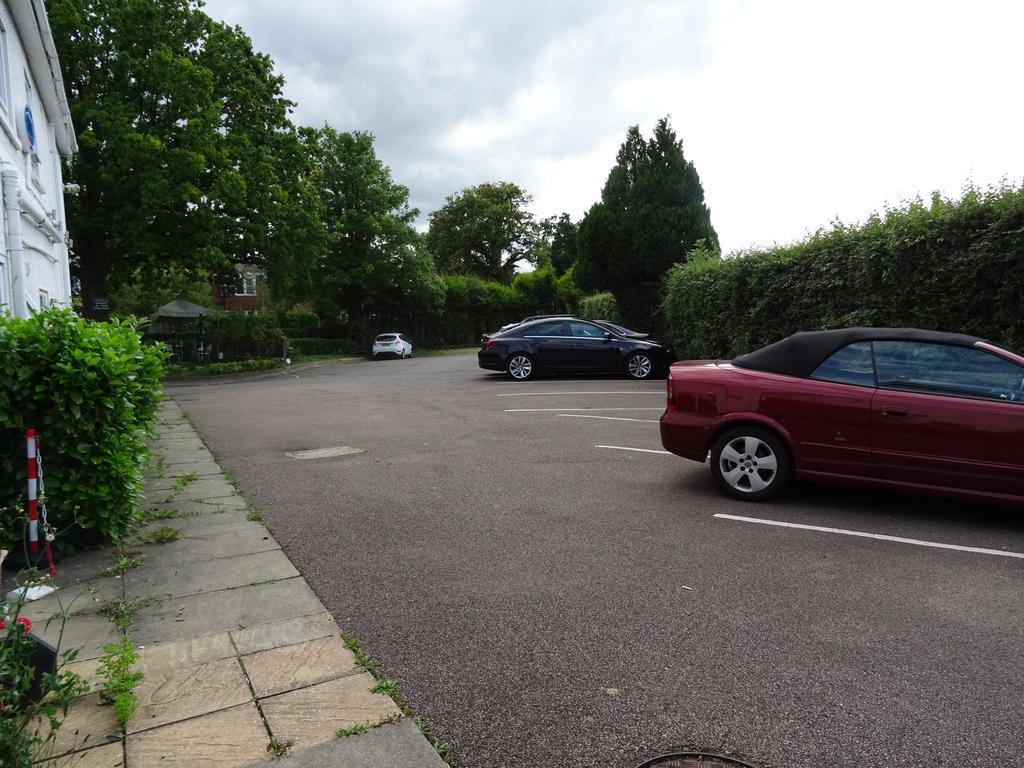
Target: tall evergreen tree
{"type": "Point", "coordinates": [651, 214]}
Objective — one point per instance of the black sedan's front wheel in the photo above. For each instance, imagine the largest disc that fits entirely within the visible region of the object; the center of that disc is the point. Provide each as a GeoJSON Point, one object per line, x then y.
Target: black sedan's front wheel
{"type": "Point", "coordinates": [751, 463]}
{"type": "Point", "coordinates": [639, 366]}
{"type": "Point", "coordinates": [520, 366]}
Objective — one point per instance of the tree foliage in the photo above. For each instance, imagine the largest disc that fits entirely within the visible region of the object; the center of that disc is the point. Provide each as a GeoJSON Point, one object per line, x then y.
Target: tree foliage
{"type": "Point", "coordinates": [374, 260]}
{"type": "Point", "coordinates": [187, 156]}
{"type": "Point", "coordinates": [483, 230]}
{"type": "Point", "coordinates": [651, 214]}
{"type": "Point", "coordinates": [947, 265]}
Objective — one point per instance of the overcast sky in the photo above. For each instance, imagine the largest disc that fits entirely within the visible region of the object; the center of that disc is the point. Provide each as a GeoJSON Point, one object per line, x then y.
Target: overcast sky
{"type": "Point", "coordinates": [794, 113]}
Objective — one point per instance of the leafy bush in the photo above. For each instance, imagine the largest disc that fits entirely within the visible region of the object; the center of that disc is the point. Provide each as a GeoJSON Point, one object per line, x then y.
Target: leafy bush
{"type": "Point", "coordinates": [322, 346]}
{"type": "Point", "coordinates": [599, 306]}
{"type": "Point", "coordinates": [300, 322]}
{"type": "Point", "coordinates": [240, 334]}
{"type": "Point", "coordinates": [91, 390]}
{"type": "Point", "coordinates": [948, 265]}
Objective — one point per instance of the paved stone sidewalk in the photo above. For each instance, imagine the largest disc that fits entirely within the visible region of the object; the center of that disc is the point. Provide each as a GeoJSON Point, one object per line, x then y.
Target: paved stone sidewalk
{"type": "Point", "coordinates": [237, 651]}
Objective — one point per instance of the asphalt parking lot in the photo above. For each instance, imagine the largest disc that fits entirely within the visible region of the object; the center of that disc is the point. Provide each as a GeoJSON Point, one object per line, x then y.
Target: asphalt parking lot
{"type": "Point", "coordinates": [551, 589]}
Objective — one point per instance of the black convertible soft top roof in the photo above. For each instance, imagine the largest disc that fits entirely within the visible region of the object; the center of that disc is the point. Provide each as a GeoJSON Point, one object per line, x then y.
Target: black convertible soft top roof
{"type": "Point", "coordinates": [800, 354]}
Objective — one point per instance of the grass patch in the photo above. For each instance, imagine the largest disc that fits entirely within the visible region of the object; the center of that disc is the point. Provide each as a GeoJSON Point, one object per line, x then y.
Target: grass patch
{"type": "Point", "coordinates": [352, 730]}
{"type": "Point", "coordinates": [162, 535]}
{"type": "Point", "coordinates": [386, 686]}
{"type": "Point", "coordinates": [362, 660]}
{"type": "Point", "coordinates": [420, 352]}
{"type": "Point", "coordinates": [165, 513]}
{"type": "Point", "coordinates": [253, 515]}
{"type": "Point", "coordinates": [180, 485]}
{"type": "Point", "coordinates": [122, 612]}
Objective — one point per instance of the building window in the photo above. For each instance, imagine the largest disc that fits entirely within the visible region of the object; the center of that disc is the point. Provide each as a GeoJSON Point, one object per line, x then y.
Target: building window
{"type": "Point", "coordinates": [44, 299]}
{"type": "Point", "coordinates": [248, 284]}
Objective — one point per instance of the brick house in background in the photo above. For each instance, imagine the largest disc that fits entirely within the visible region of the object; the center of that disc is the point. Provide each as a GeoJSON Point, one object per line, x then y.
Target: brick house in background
{"type": "Point", "coordinates": [243, 295]}
{"type": "Point", "coordinates": [35, 135]}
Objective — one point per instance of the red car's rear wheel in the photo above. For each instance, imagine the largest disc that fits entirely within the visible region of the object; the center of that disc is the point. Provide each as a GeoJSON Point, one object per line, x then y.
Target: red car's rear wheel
{"type": "Point", "coordinates": [751, 463]}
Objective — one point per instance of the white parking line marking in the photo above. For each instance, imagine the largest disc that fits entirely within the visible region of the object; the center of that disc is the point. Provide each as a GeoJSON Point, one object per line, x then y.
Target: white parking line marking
{"type": "Point", "coordinates": [608, 418]}
{"type": "Point", "coordinates": [880, 536]}
{"type": "Point", "coordinates": [556, 410]}
{"type": "Point", "coordinates": [624, 448]}
{"type": "Point", "coordinates": [660, 392]}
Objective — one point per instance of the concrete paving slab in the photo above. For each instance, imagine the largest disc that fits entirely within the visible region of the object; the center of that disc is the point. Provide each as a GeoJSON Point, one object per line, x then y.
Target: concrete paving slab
{"type": "Point", "coordinates": [210, 487]}
{"type": "Point", "coordinates": [224, 542]}
{"type": "Point", "coordinates": [296, 666]}
{"type": "Point", "coordinates": [231, 738]}
{"type": "Point", "coordinates": [392, 745]}
{"type": "Point", "coordinates": [225, 610]}
{"type": "Point", "coordinates": [202, 507]}
{"type": "Point", "coordinates": [194, 525]}
{"type": "Point", "coordinates": [74, 598]}
{"type": "Point", "coordinates": [107, 756]}
{"type": "Point", "coordinates": [87, 632]}
{"type": "Point", "coordinates": [277, 633]}
{"type": "Point", "coordinates": [313, 715]}
{"type": "Point", "coordinates": [181, 693]}
{"type": "Point", "coordinates": [173, 455]}
{"type": "Point", "coordinates": [194, 578]}
{"type": "Point", "coordinates": [88, 724]}
{"type": "Point", "coordinates": [191, 652]}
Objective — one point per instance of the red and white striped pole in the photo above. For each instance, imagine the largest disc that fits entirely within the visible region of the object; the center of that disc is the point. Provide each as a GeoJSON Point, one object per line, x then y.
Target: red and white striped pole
{"type": "Point", "coordinates": [33, 512]}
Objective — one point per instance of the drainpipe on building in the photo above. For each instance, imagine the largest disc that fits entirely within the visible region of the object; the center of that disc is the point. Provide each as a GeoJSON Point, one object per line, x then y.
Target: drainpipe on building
{"type": "Point", "coordinates": [12, 208]}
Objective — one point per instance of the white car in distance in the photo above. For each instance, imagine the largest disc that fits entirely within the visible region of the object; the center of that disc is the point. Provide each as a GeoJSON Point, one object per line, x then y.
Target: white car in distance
{"type": "Point", "coordinates": [391, 344]}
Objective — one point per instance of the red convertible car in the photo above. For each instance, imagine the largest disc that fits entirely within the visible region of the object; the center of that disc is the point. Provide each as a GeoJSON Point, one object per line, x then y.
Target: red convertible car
{"type": "Point", "coordinates": [886, 407]}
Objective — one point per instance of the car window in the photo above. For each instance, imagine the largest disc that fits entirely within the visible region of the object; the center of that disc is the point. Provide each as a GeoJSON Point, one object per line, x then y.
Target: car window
{"type": "Point", "coordinates": [586, 330]}
{"type": "Point", "coordinates": [549, 328]}
{"type": "Point", "coordinates": [949, 370]}
{"type": "Point", "coordinates": [850, 365]}
{"type": "Point", "coordinates": [385, 337]}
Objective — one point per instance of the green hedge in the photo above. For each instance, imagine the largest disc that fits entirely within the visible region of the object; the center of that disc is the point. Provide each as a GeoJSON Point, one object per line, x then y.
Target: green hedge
{"type": "Point", "coordinates": [91, 390]}
{"type": "Point", "coordinates": [599, 306]}
{"type": "Point", "coordinates": [310, 346]}
{"type": "Point", "coordinates": [948, 265]}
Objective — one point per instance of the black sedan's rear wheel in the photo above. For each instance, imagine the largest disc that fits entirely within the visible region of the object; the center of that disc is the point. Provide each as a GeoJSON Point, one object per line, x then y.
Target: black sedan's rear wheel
{"type": "Point", "coordinates": [751, 463]}
{"type": "Point", "coordinates": [639, 366]}
{"type": "Point", "coordinates": [521, 366]}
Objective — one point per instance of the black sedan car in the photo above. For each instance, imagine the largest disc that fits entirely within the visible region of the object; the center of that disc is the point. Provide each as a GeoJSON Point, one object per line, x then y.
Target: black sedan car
{"type": "Point", "coordinates": [570, 345]}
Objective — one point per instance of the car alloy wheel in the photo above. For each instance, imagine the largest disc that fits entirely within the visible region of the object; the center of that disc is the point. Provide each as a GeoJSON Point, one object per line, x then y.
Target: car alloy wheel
{"type": "Point", "coordinates": [751, 463]}
{"type": "Point", "coordinates": [520, 367]}
{"type": "Point", "coordinates": [639, 366]}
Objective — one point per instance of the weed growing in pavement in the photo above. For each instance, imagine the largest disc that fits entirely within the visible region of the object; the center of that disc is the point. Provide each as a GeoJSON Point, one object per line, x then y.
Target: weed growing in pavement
{"type": "Point", "coordinates": [180, 485]}
{"type": "Point", "coordinates": [253, 515]}
{"type": "Point", "coordinates": [362, 660]}
{"type": "Point", "coordinates": [117, 668]}
{"type": "Point", "coordinates": [124, 561]}
{"type": "Point", "coordinates": [162, 535]}
{"type": "Point", "coordinates": [161, 467]}
{"type": "Point", "coordinates": [386, 686]}
{"type": "Point", "coordinates": [390, 687]}
{"type": "Point", "coordinates": [230, 478]}
{"type": "Point", "coordinates": [352, 730]}
{"type": "Point", "coordinates": [279, 749]}
{"type": "Point", "coordinates": [122, 612]}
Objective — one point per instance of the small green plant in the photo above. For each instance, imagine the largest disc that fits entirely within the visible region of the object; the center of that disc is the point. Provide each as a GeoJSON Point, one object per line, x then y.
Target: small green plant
{"type": "Point", "coordinates": [362, 660]}
{"type": "Point", "coordinates": [117, 668]}
{"type": "Point", "coordinates": [278, 748]}
{"type": "Point", "coordinates": [162, 535]}
{"type": "Point", "coordinates": [230, 478]}
{"type": "Point", "coordinates": [123, 561]}
{"type": "Point", "coordinates": [21, 744]}
{"type": "Point", "coordinates": [352, 730]}
{"type": "Point", "coordinates": [161, 467]}
{"type": "Point", "coordinates": [386, 686]}
{"type": "Point", "coordinates": [253, 516]}
{"type": "Point", "coordinates": [122, 612]}
{"type": "Point", "coordinates": [165, 513]}
{"type": "Point", "coordinates": [180, 485]}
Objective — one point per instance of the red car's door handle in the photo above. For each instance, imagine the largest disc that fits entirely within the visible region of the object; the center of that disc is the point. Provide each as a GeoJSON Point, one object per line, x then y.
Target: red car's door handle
{"type": "Point", "coordinates": [894, 412]}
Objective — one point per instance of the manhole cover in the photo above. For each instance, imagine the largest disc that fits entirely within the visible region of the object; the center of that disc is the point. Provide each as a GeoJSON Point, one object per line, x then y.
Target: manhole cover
{"type": "Point", "coordinates": [695, 760]}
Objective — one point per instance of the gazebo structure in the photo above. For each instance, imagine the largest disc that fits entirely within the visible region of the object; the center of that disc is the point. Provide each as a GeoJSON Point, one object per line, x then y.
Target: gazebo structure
{"type": "Point", "coordinates": [167, 319]}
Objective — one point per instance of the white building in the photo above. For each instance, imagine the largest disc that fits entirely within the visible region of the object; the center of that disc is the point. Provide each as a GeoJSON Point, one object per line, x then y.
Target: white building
{"type": "Point", "coordinates": [35, 134]}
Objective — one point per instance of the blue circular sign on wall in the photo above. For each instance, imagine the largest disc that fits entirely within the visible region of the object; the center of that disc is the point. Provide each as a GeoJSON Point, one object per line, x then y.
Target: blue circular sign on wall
{"type": "Point", "coordinates": [30, 129]}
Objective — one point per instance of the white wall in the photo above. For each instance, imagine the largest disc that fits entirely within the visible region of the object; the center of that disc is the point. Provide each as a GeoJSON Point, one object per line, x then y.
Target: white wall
{"type": "Point", "coordinates": [40, 183]}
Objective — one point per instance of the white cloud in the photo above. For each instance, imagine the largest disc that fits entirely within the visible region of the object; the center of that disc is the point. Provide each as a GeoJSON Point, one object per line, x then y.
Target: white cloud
{"type": "Point", "coordinates": [793, 112]}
